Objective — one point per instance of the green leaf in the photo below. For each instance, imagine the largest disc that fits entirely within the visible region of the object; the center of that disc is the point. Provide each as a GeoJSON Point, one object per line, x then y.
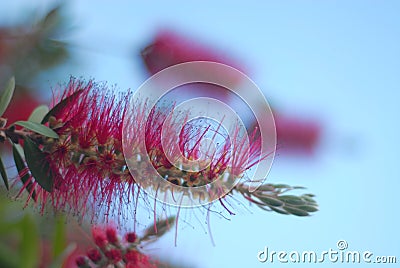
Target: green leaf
{"type": "Point", "coordinates": [3, 173]}
{"type": "Point", "coordinates": [308, 208]}
{"type": "Point", "coordinates": [20, 150]}
{"type": "Point", "coordinates": [38, 114]}
{"type": "Point", "coordinates": [29, 252]}
{"type": "Point", "coordinates": [19, 162]}
{"type": "Point", "coordinates": [292, 200]}
{"type": "Point", "coordinates": [51, 52]}
{"type": "Point", "coordinates": [296, 211]}
{"type": "Point", "coordinates": [38, 128]}
{"type": "Point", "coordinates": [8, 257]}
{"type": "Point", "coordinates": [61, 105]}
{"type": "Point", "coordinates": [280, 186]}
{"type": "Point", "coordinates": [265, 188]}
{"type": "Point", "coordinates": [51, 20]}
{"type": "Point", "coordinates": [271, 201]}
{"type": "Point", "coordinates": [159, 229]}
{"type": "Point", "coordinates": [59, 239]}
{"type": "Point", "coordinates": [308, 199]}
{"type": "Point", "coordinates": [38, 164]}
{"type": "Point", "coordinates": [7, 95]}
{"type": "Point", "coordinates": [279, 210]}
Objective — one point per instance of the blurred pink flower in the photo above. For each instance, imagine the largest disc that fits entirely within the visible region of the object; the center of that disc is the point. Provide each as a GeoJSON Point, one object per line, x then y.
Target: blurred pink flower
{"type": "Point", "coordinates": [168, 48]}
{"type": "Point", "coordinates": [296, 134]}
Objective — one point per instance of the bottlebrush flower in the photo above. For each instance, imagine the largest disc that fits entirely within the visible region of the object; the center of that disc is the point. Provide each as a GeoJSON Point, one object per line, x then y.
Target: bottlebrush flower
{"type": "Point", "coordinates": [99, 237]}
{"type": "Point", "coordinates": [87, 167]}
{"type": "Point", "coordinates": [82, 262]}
{"type": "Point", "coordinates": [85, 170]}
{"type": "Point", "coordinates": [112, 235]}
{"type": "Point", "coordinates": [86, 164]}
{"type": "Point", "coordinates": [120, 253]}
{"type": "Point", "coordinates": [130, 237]}
{"type": "Point", "coordinates": [179, 157]}
{"type": "Point", "coordinates": [94, 255]}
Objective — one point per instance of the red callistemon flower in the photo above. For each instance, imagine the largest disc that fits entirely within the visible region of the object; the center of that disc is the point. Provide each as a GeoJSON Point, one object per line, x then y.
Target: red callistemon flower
{"type": "Point", "coordinates": [87, 165]}
{"type": "Point", "coordinates": [81, 262]}
{"type": "Point", "coordinates": [99, 237]}
{"type": "Point", "coordinates": [232, 155]}
{"type": "Point", "coordinates": [111, 234]}
{"type": "Point", "coordinates": [94, 255]}
{"type": "Point", "coordinates": [130, 237]}
{"type": "Point", "coordinates": [113, 255]}
{"type": "Point", "coordinates": [120, 253]}
{"type": "Point", "coordinates": [86, 162]}
{"type": "Point", "coordinates": [134, 258]}
{"type": "Point", "coordinates": [175, 148]}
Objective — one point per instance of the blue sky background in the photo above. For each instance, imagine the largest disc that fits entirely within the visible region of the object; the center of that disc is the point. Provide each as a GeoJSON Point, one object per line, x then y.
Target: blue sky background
{"type": "Point", "coordinates": [336, 61]}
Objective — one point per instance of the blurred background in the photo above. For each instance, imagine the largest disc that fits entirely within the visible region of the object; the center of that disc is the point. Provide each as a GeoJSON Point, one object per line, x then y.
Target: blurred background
{"type": "Point", "coordinates": [329, 69]}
